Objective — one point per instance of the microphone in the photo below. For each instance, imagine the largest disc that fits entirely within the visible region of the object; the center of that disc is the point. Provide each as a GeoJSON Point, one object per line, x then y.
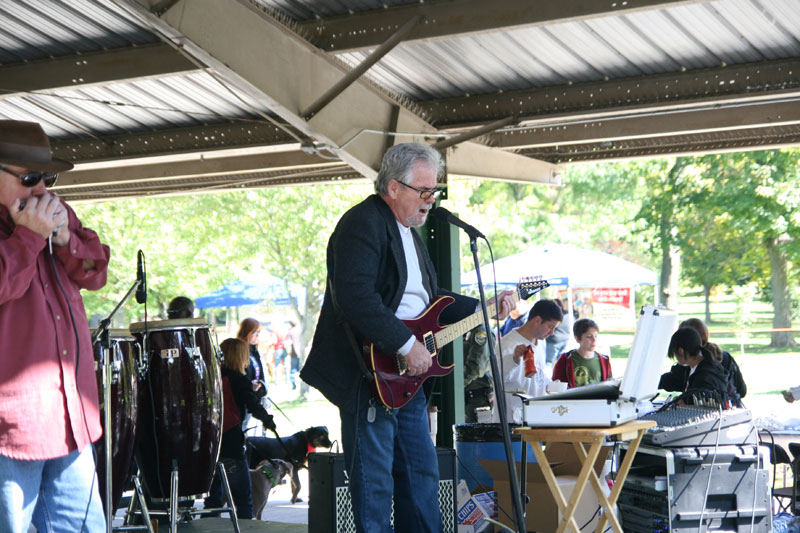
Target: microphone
{"type": "Point", "coordinates": [443, 214]}
{"type": "Point", "coordinates": [141, 290]}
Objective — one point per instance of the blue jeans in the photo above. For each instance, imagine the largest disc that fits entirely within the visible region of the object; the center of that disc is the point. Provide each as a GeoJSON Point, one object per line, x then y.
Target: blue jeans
{"type": "Point", "coordinates": [241, 490]}
{"type": "Point", "coordinates": [59, 495]}
{"type": "Point", "coordinates": [391, 456]}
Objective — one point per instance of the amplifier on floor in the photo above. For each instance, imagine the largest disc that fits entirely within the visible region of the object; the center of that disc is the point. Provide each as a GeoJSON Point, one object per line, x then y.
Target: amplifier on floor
{"type": "Point", "coordinates": [329, 508]}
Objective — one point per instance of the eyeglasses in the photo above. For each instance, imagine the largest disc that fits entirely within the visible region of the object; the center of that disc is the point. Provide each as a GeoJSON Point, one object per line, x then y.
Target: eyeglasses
{"type": "Point", "coordinates": [32, 179]}
{"type": "Point", "coordinates": [423, 193]}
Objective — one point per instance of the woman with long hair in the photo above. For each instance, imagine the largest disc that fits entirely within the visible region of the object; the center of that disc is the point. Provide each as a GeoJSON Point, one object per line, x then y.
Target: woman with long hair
{"type": "Point", "coordinates": [737, 388]}
{"type": "Point", "coordinates": [249, 332]}
{"type": "Point", "coordinates": [238, 388]}
{"type": "Point", "coordinates": [697, 374]}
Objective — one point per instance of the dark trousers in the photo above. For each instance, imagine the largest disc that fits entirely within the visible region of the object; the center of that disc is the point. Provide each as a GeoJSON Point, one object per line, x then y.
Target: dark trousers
{"type": "Point", "coordinates": [239, 481]}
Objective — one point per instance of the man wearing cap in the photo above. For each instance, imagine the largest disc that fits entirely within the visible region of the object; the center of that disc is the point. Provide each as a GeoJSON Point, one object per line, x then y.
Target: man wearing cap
{"type": "Point", "coordinates": [49, 413]}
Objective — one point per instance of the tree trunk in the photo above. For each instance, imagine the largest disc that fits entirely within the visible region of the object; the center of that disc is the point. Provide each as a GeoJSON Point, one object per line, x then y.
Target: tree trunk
{"type": "Point", "coordinates": [707, 297]}
{"type": "Point", "coordinates": [781, 302]}
{"type": "Point", "coordinates": [670, 253]}
{"type": "Point", "coordinates": [670, 268]}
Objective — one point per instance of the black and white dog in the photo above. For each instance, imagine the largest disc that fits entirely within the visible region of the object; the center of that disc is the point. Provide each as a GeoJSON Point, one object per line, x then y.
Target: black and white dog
{"type": "Point", "coordinates": [294, 449]}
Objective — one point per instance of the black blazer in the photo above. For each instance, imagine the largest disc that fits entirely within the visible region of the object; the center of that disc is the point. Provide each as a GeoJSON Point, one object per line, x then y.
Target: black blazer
{"type": "Point", "coordinates": [367, 273]}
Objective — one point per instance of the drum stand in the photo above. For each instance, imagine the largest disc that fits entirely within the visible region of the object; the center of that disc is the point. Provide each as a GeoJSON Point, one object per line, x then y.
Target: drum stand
{"type": "Point", "coordinates": [172, 513]}
{"type": "Point", "coordinates": [138, 497]}
{"type": "Point", "coordinates": [102, 333]}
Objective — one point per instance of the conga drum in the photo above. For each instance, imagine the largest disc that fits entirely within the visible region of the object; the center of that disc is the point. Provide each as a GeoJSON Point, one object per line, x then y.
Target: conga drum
{"type": "Point", "coordinates": [124, 357]}
{"type": "Point", "coordinates": [180, 406]}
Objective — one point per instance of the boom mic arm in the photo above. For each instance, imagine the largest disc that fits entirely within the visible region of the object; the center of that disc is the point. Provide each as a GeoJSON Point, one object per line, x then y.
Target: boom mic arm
{"type": "Point", "coordinates": [443, 214]}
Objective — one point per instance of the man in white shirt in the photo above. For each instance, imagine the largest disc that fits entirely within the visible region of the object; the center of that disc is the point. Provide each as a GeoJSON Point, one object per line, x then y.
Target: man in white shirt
{"type": "Point", "coordinates": [543, 318]}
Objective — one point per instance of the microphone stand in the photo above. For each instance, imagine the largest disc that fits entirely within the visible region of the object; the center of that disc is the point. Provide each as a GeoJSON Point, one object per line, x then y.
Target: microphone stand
{"type": "Point", "coordinates": [500, 401]}
{"type": "Point", "coordinates": [103, 333]}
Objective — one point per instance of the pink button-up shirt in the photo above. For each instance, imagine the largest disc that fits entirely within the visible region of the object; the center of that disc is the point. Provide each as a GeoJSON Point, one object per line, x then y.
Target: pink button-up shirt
{"type": "Point", "coordinates": [44, 412]}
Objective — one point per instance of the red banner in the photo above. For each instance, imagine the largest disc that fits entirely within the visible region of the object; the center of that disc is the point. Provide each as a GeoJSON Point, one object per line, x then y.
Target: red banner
{"type": "Point", "coordinates": [613, 296]}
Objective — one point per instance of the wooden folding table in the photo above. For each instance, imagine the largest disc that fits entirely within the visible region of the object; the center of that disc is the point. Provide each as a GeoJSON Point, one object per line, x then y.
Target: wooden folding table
{"type": "Point", "coordinates": [631, 431]}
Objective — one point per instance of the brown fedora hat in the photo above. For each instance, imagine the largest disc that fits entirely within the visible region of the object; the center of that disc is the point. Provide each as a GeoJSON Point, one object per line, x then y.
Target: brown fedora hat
{"type": "Point", "coordinates": [24, 144]}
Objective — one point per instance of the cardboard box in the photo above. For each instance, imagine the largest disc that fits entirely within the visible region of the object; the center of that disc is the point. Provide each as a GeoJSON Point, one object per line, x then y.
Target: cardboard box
{"type": "Point", "coordinates": [473, 510]}
{"type": "Point", "coordinates": [542, 513]}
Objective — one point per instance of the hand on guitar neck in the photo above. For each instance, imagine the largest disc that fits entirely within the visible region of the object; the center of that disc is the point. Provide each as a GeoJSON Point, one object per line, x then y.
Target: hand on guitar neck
{"type": "Point", "coordinates": [507, 303]}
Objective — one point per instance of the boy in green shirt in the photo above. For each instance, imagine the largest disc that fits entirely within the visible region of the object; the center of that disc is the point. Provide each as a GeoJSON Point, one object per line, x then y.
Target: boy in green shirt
{"type": "Point", "coordinates": [583, 366]}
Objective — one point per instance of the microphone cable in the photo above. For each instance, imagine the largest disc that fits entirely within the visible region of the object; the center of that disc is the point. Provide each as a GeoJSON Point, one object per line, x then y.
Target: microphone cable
{"type": "Point", "coordinates": [77, 381]}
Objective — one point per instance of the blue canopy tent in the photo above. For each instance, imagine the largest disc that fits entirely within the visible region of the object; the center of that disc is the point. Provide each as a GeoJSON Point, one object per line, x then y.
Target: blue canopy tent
{"type": "Point", "coordinates": [252, 290]}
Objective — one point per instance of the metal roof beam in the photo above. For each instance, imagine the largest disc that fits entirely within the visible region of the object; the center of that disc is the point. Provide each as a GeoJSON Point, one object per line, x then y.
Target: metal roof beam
{"type": "Point", "coordinates": [218, 164]}
{"type": "Point", "coordinates": [673, 145]}
{"type": "Point", "coordinates": [350, 78]}
{"type": "Point", "coordinates": [208, 184]}
{"type": "Point", "coordinates": [622, 96]}
{"type": "Point", "coordinates": [449, 18]}
{"type": "Point", "coordinates": [95, 68]}
{"type": "Point", "coordinates": [172, 141]}
{"type": "Point", "coordinates": [281, 72]}
{"type": "Point", "coordinates": [678, 122]}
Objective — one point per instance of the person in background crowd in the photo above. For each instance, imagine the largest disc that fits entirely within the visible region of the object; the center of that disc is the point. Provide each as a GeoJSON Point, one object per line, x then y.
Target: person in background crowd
{"type": "Point", "coordinates": [543, 318]}
{"type": "Point", "coordinates": [49, 412]}
{"type": "Point", "coordinates": [583, 366]}
{"type": "Point", "coordinates": [280, 353]}
{"type": "Point", "coordinates": [180, 307]}
{"type": "Point", "coordinates": [558, 340]}
{"type": "Point", "coordinates": [249, 331]}
{"type": "Point", "coordinates": [697, 373]}
{"type": "Point", "coordinates": [478, 386]}
{"type": "Point", "coordinates": [236, 386]}
{"type": "Point", "coordinates": [737, 388]}
{"type": "Point", "coordinates": [295, 333]}
{"type": "Point", "coordinates": [379, 273]}
{"type": "Point", "coordinates": [515, 319]}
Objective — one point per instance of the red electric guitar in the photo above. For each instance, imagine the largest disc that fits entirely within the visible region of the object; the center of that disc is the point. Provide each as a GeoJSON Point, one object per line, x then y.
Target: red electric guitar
{"type": "Point", "coordinates": [391, 384]}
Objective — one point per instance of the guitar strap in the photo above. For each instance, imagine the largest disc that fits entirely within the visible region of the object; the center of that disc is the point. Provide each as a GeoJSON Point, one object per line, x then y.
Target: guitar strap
{"type": "Point", "coordinates": [362, 366]}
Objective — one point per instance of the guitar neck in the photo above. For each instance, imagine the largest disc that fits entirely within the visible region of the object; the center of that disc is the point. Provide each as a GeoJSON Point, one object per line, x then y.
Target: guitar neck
{"type": "Point", "coordinates": [453, 331]}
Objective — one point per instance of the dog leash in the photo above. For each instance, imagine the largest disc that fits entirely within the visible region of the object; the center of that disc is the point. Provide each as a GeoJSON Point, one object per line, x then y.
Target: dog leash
{"type": "Point", "coordinates": [275, 405]}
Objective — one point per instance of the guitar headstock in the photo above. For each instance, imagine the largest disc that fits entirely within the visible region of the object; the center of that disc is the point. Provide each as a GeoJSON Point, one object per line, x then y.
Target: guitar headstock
{"type": "Point", "coordinates": [530, 285]}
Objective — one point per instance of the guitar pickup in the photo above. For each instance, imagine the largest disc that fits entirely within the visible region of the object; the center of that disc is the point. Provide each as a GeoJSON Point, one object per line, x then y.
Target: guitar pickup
{"type": "Point", "coordinates": [430, 343]}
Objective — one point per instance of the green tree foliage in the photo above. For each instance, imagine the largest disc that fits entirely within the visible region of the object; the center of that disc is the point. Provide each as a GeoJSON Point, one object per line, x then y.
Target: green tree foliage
{"type": "Point", "coordinates": [196, 244]}
{"type": "Point", "coordinates": [760, 193]}
{"type": "Point", "coordinates": [594, 207]}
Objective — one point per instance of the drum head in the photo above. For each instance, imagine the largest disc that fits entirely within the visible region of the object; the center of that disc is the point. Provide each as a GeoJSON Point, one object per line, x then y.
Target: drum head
{"type": "Point", "coordinates": [178, 323]}
{"type": "Point", "coordinates": [118, 334]}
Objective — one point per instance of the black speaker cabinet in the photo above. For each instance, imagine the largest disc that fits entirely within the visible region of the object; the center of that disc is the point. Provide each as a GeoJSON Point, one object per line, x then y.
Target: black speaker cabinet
{"type": "Point", "coordinates": [329, 508]}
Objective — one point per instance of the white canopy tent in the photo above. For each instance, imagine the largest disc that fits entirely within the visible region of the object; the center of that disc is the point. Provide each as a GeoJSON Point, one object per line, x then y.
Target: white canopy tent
{"type": "Point", "coordinates": [564, 265]}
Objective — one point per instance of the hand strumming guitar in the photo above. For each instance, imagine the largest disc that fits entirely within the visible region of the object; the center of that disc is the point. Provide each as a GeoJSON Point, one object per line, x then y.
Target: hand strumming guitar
{"type": "Point", "coordinates": [418, 359]}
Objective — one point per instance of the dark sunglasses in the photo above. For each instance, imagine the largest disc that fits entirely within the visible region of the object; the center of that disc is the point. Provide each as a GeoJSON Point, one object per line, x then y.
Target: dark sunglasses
{"type": "Point", "coordinates": [32, 179]}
